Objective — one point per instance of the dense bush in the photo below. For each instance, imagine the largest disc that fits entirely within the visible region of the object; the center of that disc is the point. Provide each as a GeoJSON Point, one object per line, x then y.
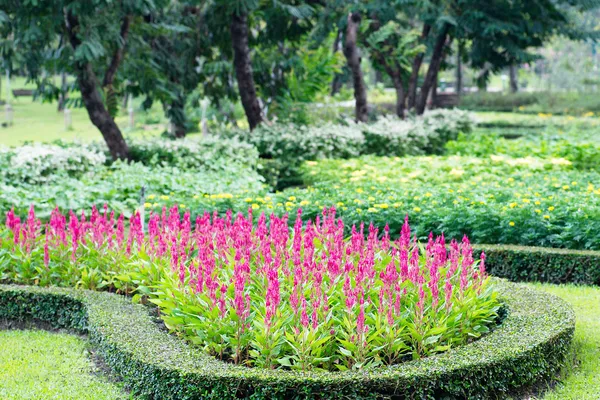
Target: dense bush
{"type": "Point", "coordinates": [530, 344]}
{"type": "Point", "coordinates": [538, 264]}
{"type": "Point", "coordinates": [574, 103]}
{"type": "Point", "coordinates": [284, 147]}
{"type": "Point", "coordinates": [37, 163]}
{"type": "Point", "coordinates": [260, 296]}
{"type": "Point", "coordinates": [550, 145]}
{"type": "Point", "coordinates": [120, 186]}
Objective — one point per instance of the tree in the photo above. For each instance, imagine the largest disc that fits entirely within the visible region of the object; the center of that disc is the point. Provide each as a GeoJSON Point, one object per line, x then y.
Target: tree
{"type": "Point", "coordinates": [95, 35]}
{"type": "Point", "coordinates": [352, 55]}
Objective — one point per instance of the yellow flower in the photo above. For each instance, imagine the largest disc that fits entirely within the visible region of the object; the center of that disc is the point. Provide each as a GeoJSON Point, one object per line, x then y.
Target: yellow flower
{"type": "Point", "coordinates": [248, 199]}
{"type": "Point", "coordinates": [383, 205]}
{"type": "Point", "coordinates": [163, 197]}
{"type": "Point", "coordinates": [537, 210]}
{"type": "Point", "coordinates": [428, 194]}
{"type": "Point", "coordinates": [151, 196]}
{"type": "Point", "coordinates": [340, 204]}
{"type": "Point", "coordinates": [359, 210]}
{"type": "Point", "coordinates": [289, 204]}
{"type": "Point", "coordinates": [396, 205]}
{"type": "Point", "coordinates": [546, 216]}
{"type": "Point", "coordinates": [292, 198]}
{"type": "Point", "coordinates": [574, 183]}
{"type": "Point", "coordinates": [417, 209]}
{"type": "Point", "coordinates": [565, 187]}
{"type": "Point", "coordinates": [359, 190]}
{"type": "Point", "coordinates": [537, 203]}
{"type": "Point", "coordinates": [182, 206]}
{"type": "Point", "coordinates": [526, 201]}
{"type": "Point", "coordinates": [372, 210]}
{"type": "Point", "coordinates": [304, 202]}
{"type": "Point", "coordinates": [147, 205]}
{"type": "Point", "coordinates": [255, 206]}
{"type": "Point", "coordinates": [371, 198]}
{"type": "Point", "coordinates": [511, 223]}
{"type": "Point", "coordinates": [551, 208]}
{"type": "Point", "coordinates": [155, 205]}
{"type": "Point", "coordinates": [455, 202]}
{"type": "Point", "coordinates": [513, 205]}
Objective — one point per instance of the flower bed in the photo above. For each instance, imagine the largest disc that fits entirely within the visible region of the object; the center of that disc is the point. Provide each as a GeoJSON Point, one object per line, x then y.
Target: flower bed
{"type": "Point", "coordinates": [257, 295]}
{"type": "Point", "coordinates": [529, 345]}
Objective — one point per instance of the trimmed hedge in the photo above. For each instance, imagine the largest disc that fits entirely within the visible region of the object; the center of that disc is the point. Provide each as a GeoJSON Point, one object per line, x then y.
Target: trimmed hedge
{"type": "Point", "coordinates": [542, 264]}
{"type": "Point", "coordinates": [529, 345]}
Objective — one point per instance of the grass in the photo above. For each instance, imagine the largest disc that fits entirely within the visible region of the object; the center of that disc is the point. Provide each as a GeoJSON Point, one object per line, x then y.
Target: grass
{"type": "Point", "coordinates": [45, 365]}
{"type": "Point", "coordinates": [581, 380]}
{"type": "Point", "coordinates": [41, 122]}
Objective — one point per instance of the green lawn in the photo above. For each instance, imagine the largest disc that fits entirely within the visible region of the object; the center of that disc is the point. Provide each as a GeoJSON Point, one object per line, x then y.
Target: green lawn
{"type": "Point", "coordinates": [582, 377]}
{"type": "Point", "coordinates": [34, 121]}
{"type": "Point", "coordinates": [45, 365]}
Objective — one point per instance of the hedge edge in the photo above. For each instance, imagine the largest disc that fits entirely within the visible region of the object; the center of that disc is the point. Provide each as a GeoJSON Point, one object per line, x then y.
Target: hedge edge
{"type": "Point", "coordinates": [531, 344]}
{"type": "Point", "coordinates": [542, 264]}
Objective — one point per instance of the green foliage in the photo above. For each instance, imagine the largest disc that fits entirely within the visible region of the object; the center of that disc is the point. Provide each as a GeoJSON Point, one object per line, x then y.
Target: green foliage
{"type": "Point", "coordinates": [501, 200]}
{"type": "Point", "coordinates": [538, 264]}
{"type": "Point", "coordinates": [531, 344]}
{"type": "Point", "coordinates": [570, 103]}
{"type": "Point", "coordinates": [73, 176]}
{"type": "Point", "coordinates": [283, 148]}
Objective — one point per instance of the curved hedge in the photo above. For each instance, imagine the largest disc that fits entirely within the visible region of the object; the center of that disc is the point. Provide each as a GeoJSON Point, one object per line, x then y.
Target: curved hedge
{"type": "Point", "coordinates": [542, 264]}
{"type": "Point", "coordinates": [529, 345]}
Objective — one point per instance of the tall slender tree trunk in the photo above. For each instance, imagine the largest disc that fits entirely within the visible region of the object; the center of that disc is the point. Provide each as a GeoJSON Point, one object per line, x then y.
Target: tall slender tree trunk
{"type": "Point", "coordinates": [336, 83]}
{"type": "Point", "coordinates": [400, 95]}
{"type": "Point", "coordinates": [414, 73]}
{"type": "Point", "coordinates": [353, 57]}
{"type": "Point", "coordinates": [243, 69]}
{"type": "Point", "coordinates": [514, 80]}
{"type": "Point", "coordinates": [459, 70]}
{"type": "Point", "coordinates": [434, 67]}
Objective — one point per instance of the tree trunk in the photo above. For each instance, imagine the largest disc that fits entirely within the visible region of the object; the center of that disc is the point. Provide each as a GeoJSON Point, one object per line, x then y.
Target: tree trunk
{"type": "Point", "coordinates": [434, 66]}
{"type": "Point", "coordinates": [243, 69]}
{"type": "Point", "coordinates": [353, 57]}
{"type": "Point", "coordinates": [400, 95]}
{"type": "Point", "coordinates": [414, 74]}
{"type": "Point", "coordinates": [336, 83]}
{"type": "Point", "coordinates": [514, 83]}
{"type": "Point", "coordinates": [459, 70]}
{"type": "Point", "coordinates": [98, 113]}
{"type": "Point", "coordinates": [88, 85]}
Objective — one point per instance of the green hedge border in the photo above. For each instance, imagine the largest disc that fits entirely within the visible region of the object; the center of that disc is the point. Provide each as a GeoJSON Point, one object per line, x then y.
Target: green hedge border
{"type": "Point", "coordinates": [531, 344]}
{"type": "Point", "coordinates": [542, 264]}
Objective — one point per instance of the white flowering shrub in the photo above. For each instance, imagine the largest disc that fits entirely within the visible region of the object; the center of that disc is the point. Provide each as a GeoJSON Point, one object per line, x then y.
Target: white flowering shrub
{"type": "Point", "coordinates": [39, 162]}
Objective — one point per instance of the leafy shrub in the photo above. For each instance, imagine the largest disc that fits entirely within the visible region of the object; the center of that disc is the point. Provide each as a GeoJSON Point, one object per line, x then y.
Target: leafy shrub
{"type": "Point", "coordinates": [581, 154]}
{"type": "Point", "coordinates": [538, 264]}
{"type": "Point", "coordinates": [120, 186]}
{"type": "Point", "coordinates": [531, 344]}
{"type": "Point", "coordinates": [37, 163]}
{"type": "Point", "coordinates": [206, 153]}
{"type": "Point", "coordinates": [241, 293]}
{"type": "Point", "coordinates": [574, 103]}
{"type": "Point", "coordinates": [283, 148]}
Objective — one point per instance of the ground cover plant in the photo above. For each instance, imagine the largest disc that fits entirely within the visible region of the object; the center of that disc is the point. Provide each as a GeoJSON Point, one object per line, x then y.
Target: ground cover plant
{"type": "Point", "coordinates": [527, 201]}
{"type": "Point", "coordinates": [254, 294]}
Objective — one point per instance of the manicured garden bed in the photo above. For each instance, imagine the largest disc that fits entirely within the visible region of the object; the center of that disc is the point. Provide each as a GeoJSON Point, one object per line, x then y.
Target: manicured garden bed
{"type": "Point", "coordinates": [530, 344]}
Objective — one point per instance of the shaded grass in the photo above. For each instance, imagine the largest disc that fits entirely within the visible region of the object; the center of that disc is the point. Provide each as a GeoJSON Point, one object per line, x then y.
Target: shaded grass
{"type": "Point", "coordinates": [41, 122]}
{"type": "Point", "coordinates": [45, 365]}
{"type": "Point", "coordinates": [581, 378]}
